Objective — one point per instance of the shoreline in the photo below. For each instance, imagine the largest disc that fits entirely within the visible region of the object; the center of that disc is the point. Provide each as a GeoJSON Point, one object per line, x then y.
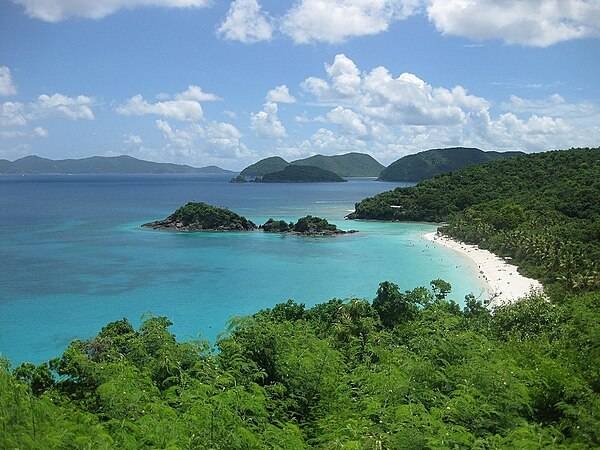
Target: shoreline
{"type": "Point", "coordinates": [505, 285]}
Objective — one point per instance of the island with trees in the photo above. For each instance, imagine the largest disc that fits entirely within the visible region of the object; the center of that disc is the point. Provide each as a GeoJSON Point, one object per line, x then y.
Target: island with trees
{"type": "Point", "coordinates": [301, 174]}
{"type": "Point", "coordinates": [198, 216]}
{"type": "Point", "coordinates": [305, 226]}
{"type": "Point", "coordinates": [347, 165]}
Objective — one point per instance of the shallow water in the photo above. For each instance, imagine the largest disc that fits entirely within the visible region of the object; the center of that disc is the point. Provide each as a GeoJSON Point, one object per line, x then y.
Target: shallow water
{"type": "Point", "coordinates": [74, 256]}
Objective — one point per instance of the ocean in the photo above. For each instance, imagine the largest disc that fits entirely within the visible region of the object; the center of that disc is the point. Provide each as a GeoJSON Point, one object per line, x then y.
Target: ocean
{"type": "Point", "coordinates": [74, 256]}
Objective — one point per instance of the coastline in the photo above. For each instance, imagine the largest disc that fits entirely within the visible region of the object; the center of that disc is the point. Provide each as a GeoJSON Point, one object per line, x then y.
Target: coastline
{"type": "Point", "coordinates": [505, 284]}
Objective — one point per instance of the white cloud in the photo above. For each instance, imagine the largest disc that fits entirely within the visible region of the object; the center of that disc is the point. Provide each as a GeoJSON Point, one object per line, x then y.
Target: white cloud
{"type": "Point", "coordinates": [61, 105]}
{"type": "Point", "coordinates": [335, 21]}
{"type": "Point", "coordinates": [405, 99]}
{"type": "Point", "coordinates": [7, 87]}
{"type": "Point", "coordinates": [12, 113]}
{"type": "Point", "coordinates": [552, 105]}
{"type": "Point", "coordinates": [195, 93]}
{"type": "Point", "coordinates": [219, 140]}
{"type": "Point", "coordinates": [184, 106]}
{"type": "Point", "coordinates": [40, 132]}
{"type": "Point", "coordinates": [37, 132]}
{"type": "Point", "coordinates": [395, 115]}
{"type": "Point", "coordinates": [266, 123]}
{"type": "Point", "coordinates": [246, 22]}
{"type": "Point", "coordinates": [537, 23]}
{"type": "Point", "coordinates": [280, 94]}
{"type": "Point", "coordinates": [133, 139]}
{"type": "Point", "coordinates": [189, 110]}
{"type": "Point", "coordinates": [57, 10]}
{"type": "Point", "coordinates": [348, 120]}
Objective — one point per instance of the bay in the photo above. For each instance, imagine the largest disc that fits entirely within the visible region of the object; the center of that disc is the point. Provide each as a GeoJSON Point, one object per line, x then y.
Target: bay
{"type": "Point", "coordinates": [74, 256]}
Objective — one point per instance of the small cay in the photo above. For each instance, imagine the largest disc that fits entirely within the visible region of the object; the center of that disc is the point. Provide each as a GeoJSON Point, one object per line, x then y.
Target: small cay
{"type": "Point", "coordinates": [305, 226]}
{"type": "Point", "coordinates": [202, 217]}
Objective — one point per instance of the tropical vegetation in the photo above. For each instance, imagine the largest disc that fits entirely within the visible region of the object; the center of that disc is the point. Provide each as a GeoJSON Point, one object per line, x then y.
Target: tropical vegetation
{"type": "Point", "coordinates": [542, 210]}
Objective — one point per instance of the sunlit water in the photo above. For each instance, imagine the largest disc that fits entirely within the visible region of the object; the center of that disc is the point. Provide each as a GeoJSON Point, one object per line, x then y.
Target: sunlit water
{"type": "Point", "coordinates": [74, 256]}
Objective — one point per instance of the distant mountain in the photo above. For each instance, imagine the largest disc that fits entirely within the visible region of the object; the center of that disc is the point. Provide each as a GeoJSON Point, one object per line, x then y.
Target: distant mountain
{"type": "Point", "coordinates": [427, 164]}
{"type": "Point", "coordinates": [99, 165]}
{"type": "Point", "coordinates": [264, 166]}
{"type": "Point", "coordinates": [347, 165]}
{"type": "Point", "coordinates": [301, 174]}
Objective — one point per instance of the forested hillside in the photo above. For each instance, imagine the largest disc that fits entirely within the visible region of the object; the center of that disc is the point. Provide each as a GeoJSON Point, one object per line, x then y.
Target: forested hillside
{"type": "Point", "coordinates": [430, 163]}
{"type": "Point", "coordinates": [541, 209]}
{"type": "Point", "coordinates": [411, 370]}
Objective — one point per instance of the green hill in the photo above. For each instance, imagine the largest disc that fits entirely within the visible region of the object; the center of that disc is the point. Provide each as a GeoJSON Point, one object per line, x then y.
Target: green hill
{"type": "Point", "coordinates": [542, 209]}
{"type": "Point", "coordinates": [99, 165]}
{"type": "Point", "coordinates": [302, 174]}
{"type": "Point", "coordinates": [347, 165]}
{"type": "Point", "coordinates": [430, 163]}
{"type": "Point", "coordinates": [263, 167]}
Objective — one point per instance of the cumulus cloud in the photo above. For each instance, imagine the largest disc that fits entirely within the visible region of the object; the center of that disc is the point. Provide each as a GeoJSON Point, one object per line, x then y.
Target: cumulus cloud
{"type": "Point", "coordinates": [12, 113]}
{"type": "Point", "coordinates": [405, 99]}
{"type": "Point", "coordinates": [184, 106]}
{"type": "Point", "coordinates": [266, 123]}
{"type": "Point", "coordinates": [55, 105]}
{"type": "Point", "coordinates": [246, 22]}
{"type": "Point", "coordinates": [280, 94]}
{"type": "Point", "coordinates": [335, 21]}
{"type": "Point", "coordinates": [7, 87]}
{"type": "Point", "coordinates": [195, 93]}
{"type": "Point", "coordinates": [348, 120]}
{"type": "Point", "coordinates": [215, 139]}
{"type": "Point", "coordinates": [537, 23]}
{"type": "Point", "coordinates": [61, 105]}
{"type": "Point", "coordinates": [393, 115]}
{"type": "Point", "coordinates": [57, 10]}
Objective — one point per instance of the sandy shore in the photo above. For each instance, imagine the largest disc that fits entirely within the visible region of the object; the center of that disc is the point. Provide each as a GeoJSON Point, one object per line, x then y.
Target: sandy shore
{"type": "Point", "coordinates": [505, 283]}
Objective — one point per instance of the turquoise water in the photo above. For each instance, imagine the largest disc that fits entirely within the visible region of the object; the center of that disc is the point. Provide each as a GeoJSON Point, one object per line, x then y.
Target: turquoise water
{"type": "Point", "coordinates": [75, 257]}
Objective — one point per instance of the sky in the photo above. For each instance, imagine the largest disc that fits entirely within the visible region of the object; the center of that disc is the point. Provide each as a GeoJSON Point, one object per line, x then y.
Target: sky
{"type": "Point", "coordinates": [223, 82]}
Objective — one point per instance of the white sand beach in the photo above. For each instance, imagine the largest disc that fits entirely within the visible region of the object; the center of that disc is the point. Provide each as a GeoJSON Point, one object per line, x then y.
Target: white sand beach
{"type": "Point", "coordinates": [505, 283]}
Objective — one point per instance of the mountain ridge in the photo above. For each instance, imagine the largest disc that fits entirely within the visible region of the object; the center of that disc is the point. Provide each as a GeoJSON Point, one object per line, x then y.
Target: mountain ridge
{"type": "Point", "coordinates": [429, 163]}
{"type": "Point", "coordinates": [122, 164]}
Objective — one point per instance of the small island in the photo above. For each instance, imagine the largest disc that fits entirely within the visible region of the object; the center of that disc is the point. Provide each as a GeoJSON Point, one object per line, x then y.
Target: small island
{"type": "Point", "coordinates": [198, 216]}
{"type": "Point", "coordinates": [301, 174]}
{"type": "Point", "coordinates": [305, 226]}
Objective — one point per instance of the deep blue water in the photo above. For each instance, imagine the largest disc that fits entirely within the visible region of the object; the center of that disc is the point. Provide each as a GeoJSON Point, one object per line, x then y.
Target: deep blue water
{"type": "Point", "coordinates": [74, 256]}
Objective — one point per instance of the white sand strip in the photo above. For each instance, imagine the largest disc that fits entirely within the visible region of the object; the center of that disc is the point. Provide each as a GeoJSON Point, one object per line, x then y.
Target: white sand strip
{"type": "Point", "coordinates": [505, 283]}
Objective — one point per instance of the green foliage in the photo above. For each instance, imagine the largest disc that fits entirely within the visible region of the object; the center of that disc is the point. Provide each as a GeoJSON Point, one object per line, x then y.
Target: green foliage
{"type": "Point", "coordinates": [198, 216]}
{"type": "Point", "coordinates": [312, 224]}
{"type": "Point", "coordinates": [542, 210]}
{"type": "Point", "coordinates": [276, 226]}
{"type": "Point", "coordinates": [410, 370]}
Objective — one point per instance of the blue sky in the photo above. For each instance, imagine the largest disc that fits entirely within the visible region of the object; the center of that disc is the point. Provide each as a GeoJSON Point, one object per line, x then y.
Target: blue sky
{"type": "Point", "coordinates": [228, 82]}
